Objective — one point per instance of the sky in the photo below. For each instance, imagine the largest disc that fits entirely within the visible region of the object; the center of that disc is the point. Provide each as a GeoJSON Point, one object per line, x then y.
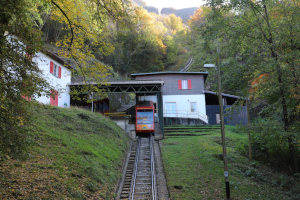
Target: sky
{"type": "Point", "coordinates": [177, 4]}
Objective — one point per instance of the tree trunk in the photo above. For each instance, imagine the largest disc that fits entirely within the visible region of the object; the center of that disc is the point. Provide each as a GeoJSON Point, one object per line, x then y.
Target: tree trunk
{"type": "Point", "coordinates": [269, 38]}
{"type": "Point", "coordinates": [285, 117]}
{"type": "Point", "coordinates": [249, 124]}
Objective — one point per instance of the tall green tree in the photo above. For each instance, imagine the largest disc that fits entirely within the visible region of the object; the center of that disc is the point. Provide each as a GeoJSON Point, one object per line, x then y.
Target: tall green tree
{"type": "Point", "coordinates": [256, 39]}
{"type": "Point", "coordinates": [19, 76]}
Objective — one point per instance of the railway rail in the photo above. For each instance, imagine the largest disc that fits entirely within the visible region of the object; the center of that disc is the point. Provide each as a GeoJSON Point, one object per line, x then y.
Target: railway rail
{"type": "Point", "coordinates": [140, 180]}
{"type": "Point", "coordinates": [188, 65]}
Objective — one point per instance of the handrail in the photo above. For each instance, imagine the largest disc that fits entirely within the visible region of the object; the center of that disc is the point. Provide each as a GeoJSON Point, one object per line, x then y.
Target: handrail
{"type": "Point", "coordinates": [154, 192]}
{"type": "Point", "coordinates": [135, 169]}
{"type": "Point", "coordinates": [187, 114]}
{"type": "Point", "coordinates": [114, 113]}
{"type": "Point", "coordinates": [117, 114]}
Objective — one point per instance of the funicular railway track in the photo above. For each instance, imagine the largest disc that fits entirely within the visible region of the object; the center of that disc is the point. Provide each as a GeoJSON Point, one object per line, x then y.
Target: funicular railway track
{"type": "Point", "coordinates": [140, 180]}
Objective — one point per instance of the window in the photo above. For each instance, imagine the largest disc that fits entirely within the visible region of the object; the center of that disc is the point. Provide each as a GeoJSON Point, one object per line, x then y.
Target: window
{"type": "Point", "coordinates": [144, 117]}
{"type": "Point", "coordinates": [218, 118]}
{"type": "Point", "coordinates": [193, 107]}
{"type": "Point", "coordinates": [184, 84]}
{"type": "Point", "coordinates": [170, 108]}
{"type": "Point", "coordinates": [55, 69]}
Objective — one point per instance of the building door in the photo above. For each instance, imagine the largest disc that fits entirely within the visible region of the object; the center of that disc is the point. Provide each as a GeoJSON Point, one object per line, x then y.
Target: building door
{"type": "Point", "coordinates": [54, 98]}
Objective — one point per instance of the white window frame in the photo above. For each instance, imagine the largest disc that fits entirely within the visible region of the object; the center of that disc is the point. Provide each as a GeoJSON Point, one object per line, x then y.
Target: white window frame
{"type": "Point", "coordinates": [184, 84]}
{"type": "Point", "coordinates": [172, 111]}
{"type": "Point", "coordinates": [196, 107]}
{"type": "Point", "coordinates": [55, 70]}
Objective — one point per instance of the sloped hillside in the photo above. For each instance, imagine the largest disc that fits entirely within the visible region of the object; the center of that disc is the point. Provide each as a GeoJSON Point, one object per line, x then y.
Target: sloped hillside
{"type": "Point", "coordinates": [194, 168]}
{"type": "Point", "coordinates": [75, 154]}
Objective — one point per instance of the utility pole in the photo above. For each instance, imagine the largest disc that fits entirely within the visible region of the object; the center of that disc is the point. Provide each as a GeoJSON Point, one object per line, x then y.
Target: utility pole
{"type": "Point", "coordinates": [92, 101]}
{"type": "Point", "coordinates": [249, 124]}
{"type": "Point", "coordinates": [218, 66]}
{"type": "Point", "coordinates": [226, 175]}
{"type": "Point", "coordinates": [223, 130]}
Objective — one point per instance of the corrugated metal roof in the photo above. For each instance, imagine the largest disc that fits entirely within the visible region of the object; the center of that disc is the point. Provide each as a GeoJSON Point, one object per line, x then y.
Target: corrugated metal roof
{"type": "Point", "coordinates": [223, 94]}
{"type": "Point", "coordinates": [122, 83]}
{"type": "Point", "coordinates": [170, 72]}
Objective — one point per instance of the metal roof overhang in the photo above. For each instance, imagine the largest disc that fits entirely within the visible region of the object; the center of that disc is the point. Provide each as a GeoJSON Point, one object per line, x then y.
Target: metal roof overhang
{"type": "Point", "coordinates": [223, 94]}
{"type": "Point", "coordinates": [205, 74]}
{"type": "Point", "coordinates": [140, 87]}
{"type": "Point", "coordinates": [169, 72]}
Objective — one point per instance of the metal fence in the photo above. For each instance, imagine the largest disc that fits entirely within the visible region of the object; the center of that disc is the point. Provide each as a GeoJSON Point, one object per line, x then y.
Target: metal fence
{"type": "Point", "coordinates": [236, 116]}
{"type": "Point", "coordinates": [186, 114]}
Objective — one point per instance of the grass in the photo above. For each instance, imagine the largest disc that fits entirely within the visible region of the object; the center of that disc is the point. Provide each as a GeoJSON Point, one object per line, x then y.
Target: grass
{"type": "Point", "coordinates": [194, 169]}
{"type": "Point", "coordinates": [75, 154]}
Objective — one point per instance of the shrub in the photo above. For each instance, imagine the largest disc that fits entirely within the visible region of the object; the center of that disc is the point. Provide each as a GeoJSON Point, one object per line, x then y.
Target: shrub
{"type": "Point", "coordinates": [13, 130]}
{"type": "Point", "coordinates": [92, 186]}
{"type": "Point", "coordinates": [270, 143]}
{"type": "Point", "coordinates": [19, 75]}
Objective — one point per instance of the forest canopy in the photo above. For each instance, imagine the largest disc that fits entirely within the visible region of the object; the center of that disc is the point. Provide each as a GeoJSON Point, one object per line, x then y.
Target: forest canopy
{"type": "Point", "coordinates": [258, 45]}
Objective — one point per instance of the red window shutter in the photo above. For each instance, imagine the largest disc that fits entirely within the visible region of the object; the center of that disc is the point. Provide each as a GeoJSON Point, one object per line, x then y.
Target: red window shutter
{"type": "Point", "coordinates": [179, 85]}
{"type": "Point", "coordinates": [51, 67]}
{"type": "Point", "coordinates": [189, 84]}
{"type": "Point", "coordinates": [59, 72]}
{"type": "Point", "coordinates": [26, 98]}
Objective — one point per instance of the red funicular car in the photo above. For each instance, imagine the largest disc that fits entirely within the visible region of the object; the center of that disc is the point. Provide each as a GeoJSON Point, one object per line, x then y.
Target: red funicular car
{"type": "Point", "coordinates": [144, 117]}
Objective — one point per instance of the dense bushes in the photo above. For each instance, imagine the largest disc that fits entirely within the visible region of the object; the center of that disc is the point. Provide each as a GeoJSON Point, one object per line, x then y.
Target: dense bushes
{"type": "Point", "coordinates": [19, 75]}
{"type": "Point", "coordinates": [270, 143]}
{"type": "Point", "coordinates": [15, 127]}
{"type": "Point", "coordinates": [12, 129]}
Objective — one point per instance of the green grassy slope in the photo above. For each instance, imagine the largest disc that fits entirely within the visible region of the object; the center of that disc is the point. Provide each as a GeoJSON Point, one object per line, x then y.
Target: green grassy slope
{"type": "Point", "coordinates": [194, 170]}
{"type": "Point", "coordinates": [75, 154]}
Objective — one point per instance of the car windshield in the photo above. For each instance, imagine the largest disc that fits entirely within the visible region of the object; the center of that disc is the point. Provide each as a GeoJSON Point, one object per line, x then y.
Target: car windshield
{"type": "Point", "coordinates": [144, 117]}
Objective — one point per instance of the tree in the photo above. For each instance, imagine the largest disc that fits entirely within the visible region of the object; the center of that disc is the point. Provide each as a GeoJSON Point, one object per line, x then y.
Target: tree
{"type": "Point", "coordinates": [82, 23]}
{"type": "Point", "coordinates": [173, 23]}
{"type": "Point", "coordinates": [256, 38]}
{"type": "Point", "coordinates": [19, 76]}
{"type": "Point", "coordinates": [85, 22]}
{"type": "Point", "coordinates": [147, 43]}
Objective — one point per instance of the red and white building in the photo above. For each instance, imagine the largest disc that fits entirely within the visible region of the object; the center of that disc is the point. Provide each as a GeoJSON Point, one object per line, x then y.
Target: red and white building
{"type": "Point", "coordinates": [54, 72]}
{"type": "Point", "coordinates": [58, 76]}
{"type": "Point", "coordinates": [183, 94]}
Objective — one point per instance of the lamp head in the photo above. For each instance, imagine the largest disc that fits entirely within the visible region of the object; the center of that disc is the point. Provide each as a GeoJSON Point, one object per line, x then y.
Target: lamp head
{"type": "Point", "coordinates": [209, 66]}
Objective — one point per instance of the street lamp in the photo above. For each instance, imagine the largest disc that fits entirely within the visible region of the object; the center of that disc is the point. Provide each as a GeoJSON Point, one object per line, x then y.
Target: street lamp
{"type": "Point", "coordinates": [217, 67]}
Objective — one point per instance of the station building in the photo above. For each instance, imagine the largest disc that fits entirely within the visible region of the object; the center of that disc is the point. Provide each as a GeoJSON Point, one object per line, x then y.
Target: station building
{"type": "Point", "coordinates": [186, 102]}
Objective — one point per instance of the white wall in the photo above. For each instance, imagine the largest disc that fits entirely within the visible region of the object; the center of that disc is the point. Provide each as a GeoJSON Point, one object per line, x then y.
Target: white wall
{"type": "Point", "coordinates": [59, 84]}
{"type": "Point", "coordinates": [183, 105]}
{"type": "Point", "coordinates": [148, 98]}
